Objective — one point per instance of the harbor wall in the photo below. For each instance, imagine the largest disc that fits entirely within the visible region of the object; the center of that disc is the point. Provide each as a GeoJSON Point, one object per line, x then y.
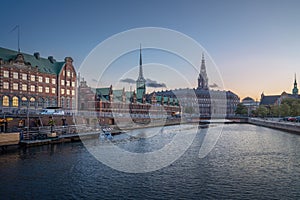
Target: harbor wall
{"type": "Point", "coordinates": [284, 126]}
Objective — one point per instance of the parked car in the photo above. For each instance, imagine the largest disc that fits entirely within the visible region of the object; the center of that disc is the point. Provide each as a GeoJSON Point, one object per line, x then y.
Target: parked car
{"type": "Point", "coordinates": [297, 119]}
{"type": "Point", "coordinates": [291, 119]}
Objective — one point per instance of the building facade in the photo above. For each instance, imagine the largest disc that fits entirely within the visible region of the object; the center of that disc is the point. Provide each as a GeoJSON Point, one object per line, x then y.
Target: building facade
{"type": "Point", "coordinates": [203, 102]}
{"type": "Point", "coordinates": [30, 82]}
{"type": "Point", "coordinates": [250, 104]}
{"type": "Point", "coordinates": [269, 100]}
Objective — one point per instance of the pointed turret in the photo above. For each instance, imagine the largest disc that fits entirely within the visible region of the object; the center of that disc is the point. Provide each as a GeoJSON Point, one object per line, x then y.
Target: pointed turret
{"type": "Point", "coordinates": [203, 79]}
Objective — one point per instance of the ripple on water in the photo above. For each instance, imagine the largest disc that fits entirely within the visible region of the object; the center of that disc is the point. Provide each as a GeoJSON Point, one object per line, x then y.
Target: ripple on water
{"type": "Point", "coordinates": [248, 162]}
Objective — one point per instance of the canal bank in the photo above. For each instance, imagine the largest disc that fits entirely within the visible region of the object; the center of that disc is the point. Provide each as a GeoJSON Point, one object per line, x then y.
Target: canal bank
{"type": "Point", "coordinates": [284, 126]}
{"type": "Point", "coordinates": [76, 133]}
{"type": "Point", "coordinates": [63, 134]}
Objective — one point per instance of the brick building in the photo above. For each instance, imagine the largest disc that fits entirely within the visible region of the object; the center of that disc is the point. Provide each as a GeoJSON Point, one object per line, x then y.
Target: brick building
{"type": "Point", "coordinates": [30, 82]}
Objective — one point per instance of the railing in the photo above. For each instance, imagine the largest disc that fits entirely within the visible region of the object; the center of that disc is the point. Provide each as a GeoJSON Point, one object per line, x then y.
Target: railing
{"type": "Point", "coordinates": [43, 132]}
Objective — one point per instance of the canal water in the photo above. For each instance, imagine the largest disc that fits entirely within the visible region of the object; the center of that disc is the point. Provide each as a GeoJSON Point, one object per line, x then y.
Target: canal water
{"type": "Point", "coordinates": [247, 162]}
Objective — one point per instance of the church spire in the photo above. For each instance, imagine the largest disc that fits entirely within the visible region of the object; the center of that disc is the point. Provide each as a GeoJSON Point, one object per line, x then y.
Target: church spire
{"type": "Point", "coordinates": [140, 82]}
{"type": "Point", "coordinates": [295, 89]}
{"type": "Point", "coordinates": [140, 55]}
{"type": "Point", "coordinates": [203, 79]}
{"type": "Point", "coordinates": [141, 76]}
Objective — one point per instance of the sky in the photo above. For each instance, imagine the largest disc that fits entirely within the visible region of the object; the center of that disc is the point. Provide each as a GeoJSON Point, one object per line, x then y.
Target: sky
{"type": "Point", "coordinates": [252, 46]}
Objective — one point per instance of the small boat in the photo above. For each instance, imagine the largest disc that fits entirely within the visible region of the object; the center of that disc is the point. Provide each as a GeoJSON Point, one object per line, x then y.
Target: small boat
{"type": "Point", "coordinates": [106, 133]}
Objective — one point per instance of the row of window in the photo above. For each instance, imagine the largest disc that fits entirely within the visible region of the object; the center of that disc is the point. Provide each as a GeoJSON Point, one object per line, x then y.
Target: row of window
{"type": "Point", "coordinates": [24, 101]}
{"type": "Point", "coordinates": [38, 78]}
{"type": "Point", "coordinates": [68, 83]}
{"type": "Point", "coordinates": [25, 77]}
{"type": "Point", "coordinates": [69, 74]}
{"type": "Point", "coordinates": [32, 102]}
{"type": "Point", "coordinates": [33, 88]}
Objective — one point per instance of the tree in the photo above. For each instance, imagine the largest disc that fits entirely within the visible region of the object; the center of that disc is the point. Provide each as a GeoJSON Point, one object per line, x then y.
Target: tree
{"type": "Point", "coordinates": [285, 110]}
{"type": "Point", "coordinates": [275, 110]}
{"type": "Point", "coordinates": [241, 109]}
{"type": "Point", "coordinates": [261, 111]}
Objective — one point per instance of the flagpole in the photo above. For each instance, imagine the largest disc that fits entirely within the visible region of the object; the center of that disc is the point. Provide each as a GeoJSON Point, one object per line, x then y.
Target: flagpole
{"type": "Point", "coordinates": [19, 38]}
{"type": "Point", "coordinates": [17, 27]}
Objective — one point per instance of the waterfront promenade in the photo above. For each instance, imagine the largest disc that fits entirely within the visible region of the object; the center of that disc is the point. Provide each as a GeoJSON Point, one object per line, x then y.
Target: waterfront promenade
{"type": "Point", "coordinates": [293, 127]}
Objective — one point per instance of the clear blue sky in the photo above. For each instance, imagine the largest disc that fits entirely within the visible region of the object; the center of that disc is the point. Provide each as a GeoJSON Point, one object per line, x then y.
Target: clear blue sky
{"type": "Point", "coordinates": [255, 44]}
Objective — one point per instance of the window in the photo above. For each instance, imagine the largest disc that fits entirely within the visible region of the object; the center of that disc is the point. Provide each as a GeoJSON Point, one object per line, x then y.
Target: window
{"type": "Point", "coordinates": [64, 73]}
{"type": "Point", "coordinates": [5, 101]}
{"type": "Point", "coordinates": [32, 102]}
{"type": "Point", "coordinates": [47, 102]}
{"type": "Point", "coordinates": [5, 74]}
{"type": "Point", "coordinates": [40, 89]}
{"type": "Point", "coordinates": [47, 89]}
{"type": "Point", "coordinates": [5, 85]}
{"type": "Point", "coordinates": [24, 101]}
{"type": "Point", "coordinates": [73, 92]}
{"type": "Point", "coordinates": [24, 87]}
{"type": "Point", "coordinates": [62, 91]}
{"type": "Point", "coordinates": [72, 74]}
{"type": "Point", "coordinates": [32, 88]}
{"type": "Point", "coordinates": [62, 82]}
{"type": "Point", "coordinates": [47, 80]}
{"type": "Point", "coordinates": [68, 92]}
{"type": "Point", "coordinates": [73, 104]}
{"type": "Point", "coordinates": [68, 73]}
{"type": "Point", "coordinates": [53, 81]}
{"type": "Point", "coordinates": [68, 103]}
{"type": "Point", "coordinates": [53, 102]}
{"type": "Point", "coordinates": [15, 86]}
{"type": "Point", "coordinates": [68, 83]}
{"type": "Point", "coordinates": [15, 101]}
{"type": "Point", "coordinates": [24, 76]}
{"type": "Point", "coordinates": [16, 75]}
{"type": "Point", "coordinates": [73, 83]}
{"type": "Point", "coordinates": [53, 90]}
{"type": "Point", "coordinates": [40, 79]}
{"type": "Point", "coordinates": [32, 77]}
{"type": "Point", "coordinates": [62, 102]}
{"type": "Point", "coordinates": [40, 102]}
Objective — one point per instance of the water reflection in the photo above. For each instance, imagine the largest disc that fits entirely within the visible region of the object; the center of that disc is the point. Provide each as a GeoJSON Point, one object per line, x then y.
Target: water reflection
{"type": "Point", "coordinates": [248, 162]}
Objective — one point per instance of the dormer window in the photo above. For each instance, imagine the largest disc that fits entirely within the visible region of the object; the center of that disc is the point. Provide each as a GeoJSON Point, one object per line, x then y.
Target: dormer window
{"type": "Point", "coordinates": [20, 58]}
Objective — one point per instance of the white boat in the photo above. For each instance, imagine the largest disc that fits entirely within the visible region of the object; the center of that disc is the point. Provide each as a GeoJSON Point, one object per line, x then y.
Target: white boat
{"type": "Point", "coordinates": [106, 133]}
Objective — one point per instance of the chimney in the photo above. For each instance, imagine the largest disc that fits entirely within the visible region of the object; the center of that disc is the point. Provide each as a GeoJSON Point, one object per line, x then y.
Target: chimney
{"type": "Point", "coordinates": [37, 55]}
{"type": "Point", "coordinates": [51, 59]}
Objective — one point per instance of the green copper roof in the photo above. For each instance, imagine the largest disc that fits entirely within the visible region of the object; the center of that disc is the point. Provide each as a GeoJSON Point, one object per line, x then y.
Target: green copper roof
{"type": "Point", "coordinates": [44, 65]}
{"type": "Point", "coordinates": [118, 95]}
{"type": "Point", "coordinates": [103, 93]}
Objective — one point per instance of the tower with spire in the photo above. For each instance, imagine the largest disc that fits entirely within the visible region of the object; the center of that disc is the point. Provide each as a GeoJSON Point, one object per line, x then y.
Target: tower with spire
{"type": "Point", "coordinates": [295, 89]}
{"type": "Point", "coordinates": [203, 79]}
{"type": "Point", "coordinates": [140, 82]}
